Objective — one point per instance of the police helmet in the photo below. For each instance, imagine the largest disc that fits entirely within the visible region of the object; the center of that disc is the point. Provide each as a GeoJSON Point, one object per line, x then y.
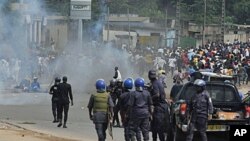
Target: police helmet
{"type": "Point", "coordinates": [65, 79]}
{"type": "Point", "coordinates": [200, 82]}
{"type": "Point", "coordinates": [152, 74]}
{"type": "Point", "coordinates": [57, 79]}
{"type": "Point", "coordinates": [112, 83]}
{"type": "Point", "coordinates": [139, 82]}
{"type": "Point", "coordinates": [128, 83]}
{"type": "Point", "coordinates": [100, 85]}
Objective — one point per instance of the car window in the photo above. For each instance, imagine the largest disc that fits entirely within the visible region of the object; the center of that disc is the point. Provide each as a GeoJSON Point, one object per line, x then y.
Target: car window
{"type": "Point", "coordinates": [219, 93]}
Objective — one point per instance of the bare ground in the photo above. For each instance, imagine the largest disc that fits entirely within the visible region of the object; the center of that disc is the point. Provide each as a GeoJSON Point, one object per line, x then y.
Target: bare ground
{"type": "Point", "coordinates": [10, 132]}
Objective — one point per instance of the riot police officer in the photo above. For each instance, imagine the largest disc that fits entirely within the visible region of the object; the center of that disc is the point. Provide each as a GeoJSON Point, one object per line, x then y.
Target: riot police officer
{"type": "Point", "coordinates": [55, 98]}
{"type": "Point", "coordinates": [65, 96]}
{"type": "Point", "coordinates": [123, 103]}
{"type": "Point", "coordinates": [116, 98]}
{"type": "Point", "coordinates": [201, 109]}
{"type": "Point", "coordinates": [100, 105]}
{"type": "Point", "coordinates": [140, 103]}
{"type": "Point", "coordinates": [160, 123]}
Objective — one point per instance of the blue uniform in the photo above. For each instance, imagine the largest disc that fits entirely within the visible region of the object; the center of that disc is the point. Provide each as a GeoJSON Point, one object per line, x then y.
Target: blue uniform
{"type": "Point", "coordinates": [124, 103]}
{"type": "Point", "coordinates": [200, 106]}
{"type": "Point", "coordinates": [161, 118]}
{"type": "Point", "coordinates": [140, 106]}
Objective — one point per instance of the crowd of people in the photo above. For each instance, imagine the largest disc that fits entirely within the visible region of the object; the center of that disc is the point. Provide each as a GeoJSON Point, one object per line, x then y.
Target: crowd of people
{"type": "Point", "coordinates": [135, 106]}
{"type": "Point", "coordinates": [229, 59]}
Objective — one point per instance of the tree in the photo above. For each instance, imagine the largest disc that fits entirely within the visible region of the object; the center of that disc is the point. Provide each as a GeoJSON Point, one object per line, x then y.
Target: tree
{"type": "Point", "coordinates": [61, 7]}
{"type": "Point", "coordinates": [119, 6]}
{"type": "Point", "coordinates": [241, 11]}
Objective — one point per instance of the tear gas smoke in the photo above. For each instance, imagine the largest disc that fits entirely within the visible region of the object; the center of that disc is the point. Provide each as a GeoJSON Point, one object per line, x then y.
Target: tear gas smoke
{"type": "Point", "coordinates": [16, 59]}
{"type": "Point", "coordinates": [82, 65]}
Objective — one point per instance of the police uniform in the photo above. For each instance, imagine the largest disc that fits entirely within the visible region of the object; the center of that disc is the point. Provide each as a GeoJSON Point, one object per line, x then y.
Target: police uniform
{"type": "Point", "coordinates": [175, 90]}
{"type": "Point", "coordinates": [200, 107]}
{"type": "Point", "coordinates": [99, 104]}
{"type": "Point", "coordinates": [65, 97]}
{"type": "Point", "coordinates": [140, 107]}
{"type": "Point", "coordinates": [55, 98]}
{"type": "Point", "coordinates": [116, 100]}
{"type": "Point", "coordinates": [160, 123]}
{"type": "Point", "coordinates": [124, 100]}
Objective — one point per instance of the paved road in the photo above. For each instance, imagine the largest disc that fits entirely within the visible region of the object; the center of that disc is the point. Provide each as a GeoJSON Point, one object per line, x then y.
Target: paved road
{"type": "Point", "coordinates": [33, 111]}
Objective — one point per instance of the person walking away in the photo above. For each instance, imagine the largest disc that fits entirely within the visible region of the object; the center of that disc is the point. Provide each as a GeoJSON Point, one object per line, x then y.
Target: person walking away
{"type": "Point", "coordinates": [116, 98]}
{"type": "Point", "coordinates": [172, 64]}
{"type": "Point", "coordinates": [100, 105]}
{"type": "Point", "coordinates": [161, 117]}
{"type": "Point", "coordinates": [162, 77]}
{"type": "Point", "coordinates": [175, 89]}
{"type": "Point", "coordinates": [140, 111]}
{"type": "Point", "coordinates": [54, 91]}
{"type": "Point", "coordinates": [201, 110]}
{"type": "Point", "coordinates": [65, 93]}
{"type": "Point", "coordinates": [124, 100]}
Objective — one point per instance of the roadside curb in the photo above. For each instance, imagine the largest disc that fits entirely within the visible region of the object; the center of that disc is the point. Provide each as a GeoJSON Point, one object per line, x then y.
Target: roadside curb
{"type": "Point", "coordinates": [36, 132]}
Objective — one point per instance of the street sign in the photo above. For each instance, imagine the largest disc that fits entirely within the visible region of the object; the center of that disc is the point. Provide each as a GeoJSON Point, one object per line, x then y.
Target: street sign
{"type": "Point", "coordinates": [80, 9]}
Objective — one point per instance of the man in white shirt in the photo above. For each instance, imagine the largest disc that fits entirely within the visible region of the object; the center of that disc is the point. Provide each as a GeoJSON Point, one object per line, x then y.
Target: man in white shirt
{"type": "Point", "coordinates": [172, 62]}
{"type": "Point", "coordinates": [117, 75]}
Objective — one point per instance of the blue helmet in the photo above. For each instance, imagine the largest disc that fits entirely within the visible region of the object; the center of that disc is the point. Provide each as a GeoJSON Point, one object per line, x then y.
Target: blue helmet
{"type": "Point", "coordinates": [128, 83]}
{"type": "Point", "coordinates": [139, 82]}
{"type": "Point", "coordinates": [100, 85]}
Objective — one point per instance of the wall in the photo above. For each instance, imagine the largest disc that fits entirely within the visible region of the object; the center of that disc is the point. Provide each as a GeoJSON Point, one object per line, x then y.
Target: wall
{"type": "Point", "coordinates": [113, 33]}
{"type": "Point", "coordinates": [58, 30]}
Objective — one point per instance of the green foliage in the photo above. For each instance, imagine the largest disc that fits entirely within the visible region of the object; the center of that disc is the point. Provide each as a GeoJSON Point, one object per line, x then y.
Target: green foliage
{"type": "Point", "coordinates": [237, 11]}
{"type": "Point", "coordinates": [242, 11]}
{"type": "Point", "coordinates": [61, 7]}
{"type": "Point", "coordinates": [119, 6]}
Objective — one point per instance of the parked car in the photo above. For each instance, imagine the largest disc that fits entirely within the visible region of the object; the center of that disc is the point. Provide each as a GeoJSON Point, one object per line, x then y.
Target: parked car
{"type": "Point", "coordinates": [229, 108]}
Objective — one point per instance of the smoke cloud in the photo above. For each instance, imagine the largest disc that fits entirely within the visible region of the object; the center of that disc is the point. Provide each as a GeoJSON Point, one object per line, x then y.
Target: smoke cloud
{"type": "Point", "coordinates": [83, 65]}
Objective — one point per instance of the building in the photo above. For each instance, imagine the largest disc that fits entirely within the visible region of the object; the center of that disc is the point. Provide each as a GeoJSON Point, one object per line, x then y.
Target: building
{"type": "Point", "coordinates": [119, 27]}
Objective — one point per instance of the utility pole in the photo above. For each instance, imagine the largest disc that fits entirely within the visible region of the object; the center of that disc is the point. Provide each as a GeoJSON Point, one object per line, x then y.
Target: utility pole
{"type": "Point", "coordinates": [177, 23]}
{"type": "Point", "coordinates": [166, 26]}
{"type": "Point", "coordinates": [129, 41]}
{"type": "Point", "coordinates": [223, 13]}
{"type": "Point", "coordinates": [204, 23]}
{"type": "Point", "coordinates": [80, 22]}
{"type": "Point", "coordinates": [108, 25]}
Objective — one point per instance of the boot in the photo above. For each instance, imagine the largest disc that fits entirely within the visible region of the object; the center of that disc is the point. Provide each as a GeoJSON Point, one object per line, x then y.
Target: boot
{"type": "Point", "coordinates": [64, 125]}
{"type": "Point", "coordinates": [60, 123]}
{"type": "Point", "coordinates": [55, 120]}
